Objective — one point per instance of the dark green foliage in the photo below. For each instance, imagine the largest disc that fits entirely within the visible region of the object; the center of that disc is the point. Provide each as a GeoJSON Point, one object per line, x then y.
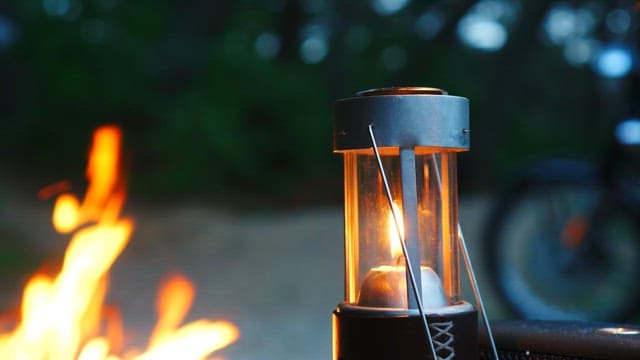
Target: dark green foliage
{"type": "Point", "coordinates": [203, 113]}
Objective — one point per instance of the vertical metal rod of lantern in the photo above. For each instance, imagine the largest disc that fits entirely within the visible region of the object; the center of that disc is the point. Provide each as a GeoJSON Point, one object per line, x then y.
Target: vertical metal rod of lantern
{"type": "Point", "coordinates": [410, 273]}
{"type": "Point", "coordinates": [410, 217]}
{"type": "Point", "coordinates": [470, 273]}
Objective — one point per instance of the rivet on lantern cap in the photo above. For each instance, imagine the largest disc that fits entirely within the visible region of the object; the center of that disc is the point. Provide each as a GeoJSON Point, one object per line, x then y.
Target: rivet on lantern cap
{"type": "Point", "coordinates": [402, 117]}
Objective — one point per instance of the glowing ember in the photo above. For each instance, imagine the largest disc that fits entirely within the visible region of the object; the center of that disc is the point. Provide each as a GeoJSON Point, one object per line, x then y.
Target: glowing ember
{"type": "Point", "coordinates": [63, 317]}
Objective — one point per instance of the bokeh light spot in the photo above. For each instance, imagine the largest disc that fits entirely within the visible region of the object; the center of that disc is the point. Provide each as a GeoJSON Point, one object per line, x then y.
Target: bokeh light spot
{"type": "Point", "coordinates": [267, 45]}
{"type": "Point", "coordinates": [618, 21]}
{"type": "Point", "coordinates": [7, 32]}
{"type": "Point", "coordinates": [614, 62]}
{"type": "Point", "coordinates": [388, 7]}
{"type": "Point", "coordinates": [56, 7]}
{"type": "Point", "coordinates": [628, 132]}
{"type": "Point", "coordinates": [314, 49]}
{"type": "Point", "coordinates": [580, 51]}
{"type": "Point", "coordinates": [482, 33]}
{"type": "Point", "coordinates": [429, 24]}
{"type": "Point", "coordinates": [560, 24]}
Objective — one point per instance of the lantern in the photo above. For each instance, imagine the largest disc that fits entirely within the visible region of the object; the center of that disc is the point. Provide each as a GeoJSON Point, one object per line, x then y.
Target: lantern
{"type": "Point", "coordinates": [402, 269]}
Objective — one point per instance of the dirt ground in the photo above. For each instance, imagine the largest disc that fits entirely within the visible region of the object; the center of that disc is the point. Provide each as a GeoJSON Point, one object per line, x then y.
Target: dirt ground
{"type": "Point", "coordinates": [276, 274]}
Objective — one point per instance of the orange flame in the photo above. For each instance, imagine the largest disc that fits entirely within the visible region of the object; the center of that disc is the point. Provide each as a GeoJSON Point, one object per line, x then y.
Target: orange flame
{"type": "Point", "coordinates": [63, 318]}
{"type": "Point", "coordinates": [395, 246]}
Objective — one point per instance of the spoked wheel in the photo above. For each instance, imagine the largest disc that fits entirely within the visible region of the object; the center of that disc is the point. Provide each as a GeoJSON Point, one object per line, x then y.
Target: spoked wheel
{"type": "Point", "coordinates": [559, 247]}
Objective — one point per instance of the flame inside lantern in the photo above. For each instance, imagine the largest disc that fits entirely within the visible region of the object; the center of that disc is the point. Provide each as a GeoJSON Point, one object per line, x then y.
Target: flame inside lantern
{"type": "Point", "coordinates": [64, 317]}
{"type": "Point", "coordinates": [395, 245]}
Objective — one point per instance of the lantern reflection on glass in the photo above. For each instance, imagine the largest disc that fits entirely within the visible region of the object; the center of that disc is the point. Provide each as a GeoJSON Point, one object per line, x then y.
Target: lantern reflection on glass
{"type": "Point", "coordinates": [418, 132]}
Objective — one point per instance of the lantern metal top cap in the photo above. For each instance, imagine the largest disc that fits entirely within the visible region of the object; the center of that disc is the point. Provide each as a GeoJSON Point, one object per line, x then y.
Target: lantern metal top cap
{"type": "Point", "coordinates": [405, 117]}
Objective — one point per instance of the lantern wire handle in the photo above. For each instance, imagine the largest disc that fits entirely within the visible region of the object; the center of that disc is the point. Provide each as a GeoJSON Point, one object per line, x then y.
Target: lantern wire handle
{"type": "Point", "coordinates": [476, 290]}
{"type": "Point", "coordinates": [414, 286]}
{"type": "Point", "coordinates": [470, 272]}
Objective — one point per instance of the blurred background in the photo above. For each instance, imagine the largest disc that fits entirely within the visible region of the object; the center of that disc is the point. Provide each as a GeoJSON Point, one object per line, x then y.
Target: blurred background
{"type": "Point", "coordinates": [226, 112]}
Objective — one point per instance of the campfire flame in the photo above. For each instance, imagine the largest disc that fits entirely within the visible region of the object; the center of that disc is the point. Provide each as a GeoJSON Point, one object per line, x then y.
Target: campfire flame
{"type": "Point", "coordinates": [64, 317]}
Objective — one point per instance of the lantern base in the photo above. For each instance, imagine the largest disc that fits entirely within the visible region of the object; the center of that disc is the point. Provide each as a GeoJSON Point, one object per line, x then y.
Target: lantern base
{"type": "Point", "coordinates": [381, 334]}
